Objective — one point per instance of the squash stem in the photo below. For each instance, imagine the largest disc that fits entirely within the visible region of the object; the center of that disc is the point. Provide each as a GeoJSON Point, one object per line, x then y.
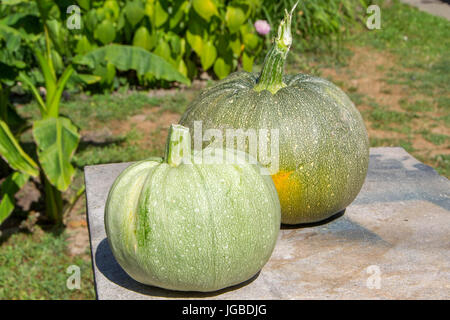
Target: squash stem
{"type": "Point", "coordinates": [178, 145]}
{"type": "Point", "coordinates": [271, 77]}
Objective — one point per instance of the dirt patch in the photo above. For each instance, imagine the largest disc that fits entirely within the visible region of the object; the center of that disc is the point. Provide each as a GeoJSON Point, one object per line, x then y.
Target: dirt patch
{"type": "Point", "coordinates": [77, 231]}
{"type": "Point", "coordinates": [366, 76]}
{"type": "Point", "coordinates": [152, 126]}
{"type": "Point", "coordinates": [28, 195]}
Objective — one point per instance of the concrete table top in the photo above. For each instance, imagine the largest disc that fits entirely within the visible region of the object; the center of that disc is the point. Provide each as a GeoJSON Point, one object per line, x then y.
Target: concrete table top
{"type": "Point", "coordinates": [392, 242]}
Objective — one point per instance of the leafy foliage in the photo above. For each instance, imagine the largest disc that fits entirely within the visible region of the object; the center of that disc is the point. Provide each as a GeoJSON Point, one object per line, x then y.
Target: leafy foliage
{"type": "Point", "coordinates": [319, 23]}
{"type": "Point", "coordinates": [56, 137]}
{"type": "Point", "coordinates": [190, 36]}
{"type": "Point", "coordinates": [126, 57]}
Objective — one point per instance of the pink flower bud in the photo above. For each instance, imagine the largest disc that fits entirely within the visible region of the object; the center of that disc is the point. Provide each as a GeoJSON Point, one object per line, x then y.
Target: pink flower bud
{"type": "Point", "coordinates": [262, 27]}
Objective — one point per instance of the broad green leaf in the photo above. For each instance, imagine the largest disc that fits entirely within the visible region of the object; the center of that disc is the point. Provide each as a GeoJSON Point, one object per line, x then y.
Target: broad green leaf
{"type": "Point", "coordinates": [192, 69]}
{"type": "Point", "coordinates": [254, 4]}
{"type": "Point", "coordinates": [102, 14]}
{"type": "Point", "coordinates": [56, 32]}
{"type": "Point", "coordinates": [251, 40]}
{"type": "Point", "coordinates": [9, 62]}
{"type": "Point", "coordinates": [7, 32]}
{"type": "Point", "coordinates": [85, 4]}
{"type": "Point", "coordinates": [85, 78]}
{"type": "Point", "coordinates": [13, 42]}
{"type": "Point", "coordinates": [91, 20]}
{"type": "Point", "coordinates": [134, 11]}
{"type": "Point", "coordinates": [205, 8]}
{"type": "Point", "coordinates": [234, 18]}
{"type": "Point", "coordinates": [208, 55]}
{"type": "Point", "coordinates": [112, 9]}
{"type": "Point", "coordinates": [106, 72]}
{"type": "Point", "coordinates": [34, 90]}
{"type": "Point", "coordinates": [176, 43]}
{"type": "Point", "coordinates": [53, 101]}
{"type": "Point", "coordinates": [105, 32]}
{"type": "Point", "coordinates": [56, 140]}
{"type": "Point", "coordinates": [160, 15]}
{"type": "Point", "coordinates": [142, 38]}
{"type": "Point", "coordinates": [135, 58]}
{"type": "Point", "coordinates": [13, 2]}
{"type": "Point", "coordinates": [163, 50]}
{"type": "Point", "coordinates": [48, 72]}
{"type": "Point", "coordinates": [48, 10]}
{"type": "Point", "coordinates": [221, 68]}
{"type": "Point", "coordinates": [235, 45]}
{"type": "Point", "coordinates": [247, 62]}
{"type": "Point", "coordinates": [8, 189]}
{"type": "Point", "coordinates": [83, 45]}
{"type": "Point", "coordinates": [149, 8]}
{"type": "Point", "coordinates": [57, 61]}
{"type": "Point", "coordinates": [180, 11]}
{"type": "Point", "coordinates": [228, 44]}
{"type": "Point", "coordinates": [13, 154]}
{"type": "Point", "coordinates": [12, 19]}
{"type": "Point", "coordinates": [195, 41]}
{"type": "Point", "coordinates": [182, 67]}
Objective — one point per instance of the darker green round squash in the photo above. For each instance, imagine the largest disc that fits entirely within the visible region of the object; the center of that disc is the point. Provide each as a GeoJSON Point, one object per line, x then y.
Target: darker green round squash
{"type": "Point", "coordinates": [323, 143]}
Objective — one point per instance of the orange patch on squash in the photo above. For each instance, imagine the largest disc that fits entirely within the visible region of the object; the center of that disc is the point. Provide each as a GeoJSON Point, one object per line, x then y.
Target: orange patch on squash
{"type": "Point", "coordinates": [287, 186]}
{"type": "Point", "coordinates": [281, 179]}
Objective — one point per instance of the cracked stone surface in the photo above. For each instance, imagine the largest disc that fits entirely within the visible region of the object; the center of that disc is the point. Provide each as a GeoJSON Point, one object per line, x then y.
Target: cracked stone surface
{"type": "Point", "coordinates": [392, 242]}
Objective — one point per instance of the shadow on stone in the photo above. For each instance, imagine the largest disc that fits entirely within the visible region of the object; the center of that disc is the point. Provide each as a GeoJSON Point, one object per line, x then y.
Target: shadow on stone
{"type": "Point", "coordinates": [110, 268]}
{"type": "Point", "coordinates": [313, 224]}
{"type": "Point", "coordinates": [395, 178]}
{"type": "Point", "coordinates": [343, 229]}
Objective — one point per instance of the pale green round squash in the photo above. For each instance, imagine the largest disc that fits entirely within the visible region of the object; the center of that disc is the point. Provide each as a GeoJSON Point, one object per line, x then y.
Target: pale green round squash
{"type": "Point", "coordinates": [323, 142]}
{"type": "Point", "coordinates": [184, 225]}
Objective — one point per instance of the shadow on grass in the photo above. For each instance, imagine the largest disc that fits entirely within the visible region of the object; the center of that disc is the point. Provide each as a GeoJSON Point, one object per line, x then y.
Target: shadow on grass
{"type": "Point", "coordinates": [84, 144]}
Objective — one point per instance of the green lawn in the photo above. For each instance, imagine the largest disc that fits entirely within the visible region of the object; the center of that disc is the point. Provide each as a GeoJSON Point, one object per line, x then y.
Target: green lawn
{"type": "Point", "coordinates": [34, 266]}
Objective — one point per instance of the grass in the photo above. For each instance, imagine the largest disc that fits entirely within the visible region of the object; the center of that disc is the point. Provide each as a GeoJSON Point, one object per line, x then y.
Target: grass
{"type": "Point", "coordinates": [382, 117]}
{"type": "Point", "coordinates": [390, 142]}
{"type": "Point", "coordinates": [443, 163]}
{"type": "Point", "coordinates": [418, 43]}
{"type": "Point", "coordinates": [34, 266]}
{"type": "Point", "coordinates": [436, 139]}
{"type": "Point", "coordinates": [417, 106]}
{"type": "Point", "coordinates": [84, 110]}
{"type": "Point", "coordinates": [121, 149]}
{"type": "Point", "coordinates": [422, 42]}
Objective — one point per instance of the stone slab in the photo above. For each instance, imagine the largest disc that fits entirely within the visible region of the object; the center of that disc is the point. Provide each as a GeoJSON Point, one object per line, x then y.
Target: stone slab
{"type": "Point", "coordinates": [439, 8]}
{"type": "Point", "coordinates": [392, 242]}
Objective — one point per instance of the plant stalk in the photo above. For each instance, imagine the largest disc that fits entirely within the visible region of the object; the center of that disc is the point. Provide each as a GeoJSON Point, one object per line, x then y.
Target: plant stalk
{"type": "Point", "coordinates": [178, 145]}
{"type": "Point", "coordinates": [271, 76]}
{"type": "Point", "coordinates": [53, 202]}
